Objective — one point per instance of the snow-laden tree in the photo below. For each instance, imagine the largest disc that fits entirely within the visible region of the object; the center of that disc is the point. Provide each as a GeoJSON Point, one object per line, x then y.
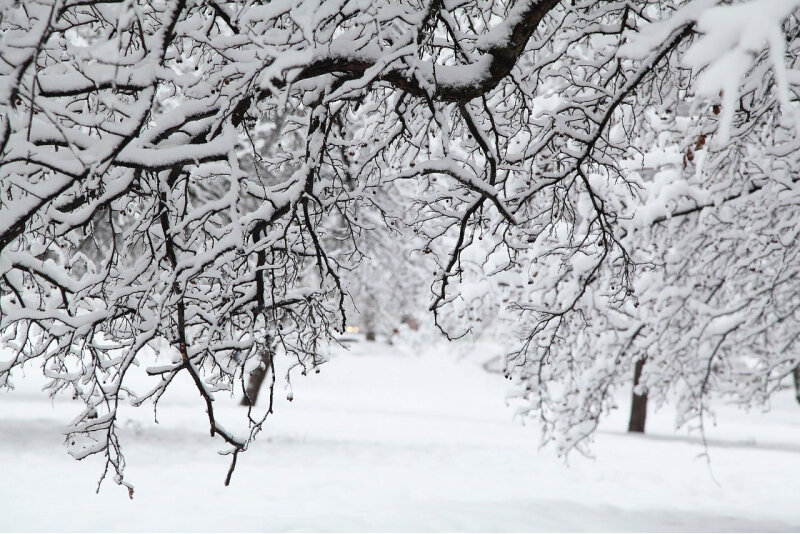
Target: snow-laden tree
{"type": "Point", "coordinates": [702, 202]}
{"type": "Point", "coordinates": [200, 179]}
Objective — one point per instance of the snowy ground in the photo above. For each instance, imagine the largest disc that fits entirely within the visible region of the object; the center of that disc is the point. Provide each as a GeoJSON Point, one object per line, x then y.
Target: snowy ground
{"type": "Point", "coordinates": [384, 439]}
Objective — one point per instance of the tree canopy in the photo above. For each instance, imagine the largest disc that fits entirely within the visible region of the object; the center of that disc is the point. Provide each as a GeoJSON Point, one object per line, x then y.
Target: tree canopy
{"type": "Point", "coordinates": [608, 181]}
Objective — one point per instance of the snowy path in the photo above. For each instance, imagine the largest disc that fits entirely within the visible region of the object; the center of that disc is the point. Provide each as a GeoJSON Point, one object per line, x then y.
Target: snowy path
{"type": "Point", "coordinates": [387, 441]}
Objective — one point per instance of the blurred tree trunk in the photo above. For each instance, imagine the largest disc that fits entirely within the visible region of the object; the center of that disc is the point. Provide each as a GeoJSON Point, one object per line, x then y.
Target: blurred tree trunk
{"type": "Point", "coordinates": [638, 402]}
{"type": "Point", "coordinates": [370, 321]}
{"type": "Point", "coordinates": [256, 379]}
{"type": "Point", "coordinates": [796, 374]}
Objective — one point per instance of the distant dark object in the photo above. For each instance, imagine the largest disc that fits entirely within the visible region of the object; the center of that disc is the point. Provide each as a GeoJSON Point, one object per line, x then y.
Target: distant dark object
{"type": "Point", "coordinates": [410, 322]}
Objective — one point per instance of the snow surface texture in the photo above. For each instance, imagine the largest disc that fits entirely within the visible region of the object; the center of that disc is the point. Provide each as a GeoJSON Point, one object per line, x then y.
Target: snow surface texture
{"type": "Point", "coordinates": [388, 439]}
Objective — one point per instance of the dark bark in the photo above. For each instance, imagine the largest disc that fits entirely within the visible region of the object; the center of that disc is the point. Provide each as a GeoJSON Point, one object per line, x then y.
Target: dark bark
{"type": "Point", "coordinates": [502, 59]}
{"type": "Point", "coordinates": [257, 377]}
{"type": "Point", "coordinates": [638, 402]}
{"type": "Point", "coordinates": [796, 374]}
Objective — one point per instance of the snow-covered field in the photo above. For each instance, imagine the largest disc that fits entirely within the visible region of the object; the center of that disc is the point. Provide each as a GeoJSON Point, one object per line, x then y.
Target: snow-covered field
{"type": "Point", "coordinates": [390, 439]}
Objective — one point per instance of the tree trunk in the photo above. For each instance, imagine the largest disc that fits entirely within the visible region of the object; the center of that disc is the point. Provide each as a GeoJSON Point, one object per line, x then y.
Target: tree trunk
{"type": "Point", "coordinates": [638, 402]}
{"type": "Point", "coordinates": [257, 377]}
{"type": "Point", "coordinates": [796, 374]}
{"type": "Point", "coordinates": [369, 321]}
